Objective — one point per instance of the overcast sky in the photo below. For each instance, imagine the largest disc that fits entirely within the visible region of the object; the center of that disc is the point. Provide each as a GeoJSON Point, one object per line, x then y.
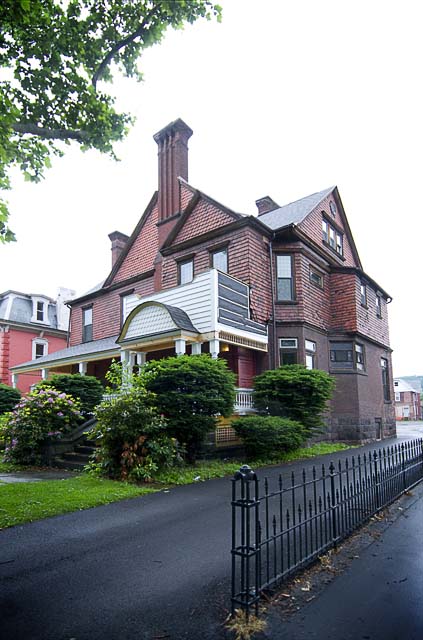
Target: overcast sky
{"type": "Point", "coordinates": [285, 99]}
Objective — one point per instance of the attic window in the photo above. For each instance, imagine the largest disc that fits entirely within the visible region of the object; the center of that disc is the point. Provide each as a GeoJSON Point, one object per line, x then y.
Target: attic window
{"type": "Point", "coordinates": [39, 310]}
{"type": "Point", "coordinates": [332, 237]}
{"type": "Point", "coordinates": [332, 208]}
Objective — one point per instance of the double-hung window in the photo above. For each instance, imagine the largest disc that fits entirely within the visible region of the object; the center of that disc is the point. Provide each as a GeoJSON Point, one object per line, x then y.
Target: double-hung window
{"type": "Point", "coordinates": [333, 237]}
{"type": "Point", "coordinates": [284, 278]}
{"type": "Point", "coordinates": [378, 306]}
{"type": "Point", "coordinates": [87, 324]}
{"type": "Point", "coordinates": [385, 379]}
{"type": "Point", "coordinates": [186, 271]}
{"type": "Point", "coordinates": [363, 294]}
{"type": "Point", "coordinates": [288, 350]}
{"type": "Point", "coordinates": [310, 354]}
{"type": "Point", "coordinates": [219, 259]}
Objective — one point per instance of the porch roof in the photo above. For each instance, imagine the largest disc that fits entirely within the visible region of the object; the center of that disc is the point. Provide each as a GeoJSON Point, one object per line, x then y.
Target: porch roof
{"type": "Point", "coordinates": [106, 347]}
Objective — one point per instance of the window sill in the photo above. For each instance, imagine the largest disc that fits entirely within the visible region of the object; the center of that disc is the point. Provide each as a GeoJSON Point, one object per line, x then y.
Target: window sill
{"type": "Point", "coordinates": [332, 250]}
{"type": "Point", "coordinates": [285, 302]}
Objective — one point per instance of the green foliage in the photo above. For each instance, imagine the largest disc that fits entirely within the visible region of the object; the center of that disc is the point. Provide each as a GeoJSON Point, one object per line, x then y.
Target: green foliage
{"type": "Point", "coordinates": [269, 435]}
{"type": "Point", "coordinates": [9, 397]}
{"type": "Point", "coordinates": [59, 57]}
{"type": "Point", "coordinates": [190, 392]}
{"type": "Point", "coordinates": [41, 415]}
{"type": "Point", "coordinates": [292, 391]}
{"type": "Point", "coordinates": [86, 389]}
{"type": "Point", "coordinates": [132, 435]}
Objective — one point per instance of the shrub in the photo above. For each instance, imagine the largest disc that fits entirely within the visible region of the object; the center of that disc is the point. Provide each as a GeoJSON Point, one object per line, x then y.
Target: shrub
{"type": "Point", "coordinates": [9, 397]}
{"type": "Point", "coordinates": [87, 389]}
{"type": "Point", "coordinates": [292, 391]}
{"type": "Point", "coordinates": [269, 435]}
{"type": "Point", "coordinates": [43, 414]}
{"type": "Point", "coordinates": [191, 391]}
{"type": "Point", "coordinates": [133, 439]}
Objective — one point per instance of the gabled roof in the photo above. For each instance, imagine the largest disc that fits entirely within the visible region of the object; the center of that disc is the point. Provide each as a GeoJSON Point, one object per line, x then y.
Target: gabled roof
{"type": "Point", "coordinates": [294, 212]}
{"type": "Point", "coordinates": [404, 385]}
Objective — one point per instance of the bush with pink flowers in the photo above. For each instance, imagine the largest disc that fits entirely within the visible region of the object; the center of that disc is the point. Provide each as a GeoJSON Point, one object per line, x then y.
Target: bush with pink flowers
{"type": "Point", "coordinates": [44, 414]}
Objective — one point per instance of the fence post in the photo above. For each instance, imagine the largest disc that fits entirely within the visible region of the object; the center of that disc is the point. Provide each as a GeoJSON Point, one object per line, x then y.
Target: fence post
{"type": "Point", "coordinates": [245, 541]}
{"type": "Point", "coordinates": [377, 495]}
{"type": "Point", "coordinates": [333, 503]}
{"type": "Point", "coordinates": [404, 483]}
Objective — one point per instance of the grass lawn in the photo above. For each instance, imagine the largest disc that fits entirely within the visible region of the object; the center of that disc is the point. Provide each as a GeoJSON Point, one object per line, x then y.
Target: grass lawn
{"type": "Point", "coordinates": [26, 502]}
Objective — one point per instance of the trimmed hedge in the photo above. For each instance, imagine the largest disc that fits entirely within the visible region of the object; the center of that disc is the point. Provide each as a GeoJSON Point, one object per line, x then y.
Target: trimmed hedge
{"type": "Point", "coordinates": [269, 435]}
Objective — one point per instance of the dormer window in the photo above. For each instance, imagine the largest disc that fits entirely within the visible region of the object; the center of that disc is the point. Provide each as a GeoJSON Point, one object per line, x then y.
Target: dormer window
{"type": "Point", "coordinates": [39, 310]}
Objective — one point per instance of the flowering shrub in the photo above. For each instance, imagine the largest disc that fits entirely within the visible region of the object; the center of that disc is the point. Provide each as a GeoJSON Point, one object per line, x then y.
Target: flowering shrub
{"type": "Point", "coordinates": [42, 414]}
{"type": "Point", "coordinates": [132, 435]}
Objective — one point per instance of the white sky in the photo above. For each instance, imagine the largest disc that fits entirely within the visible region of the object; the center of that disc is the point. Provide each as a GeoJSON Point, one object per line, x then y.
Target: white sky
{"type": "Point", "coordinates": [285, 99]}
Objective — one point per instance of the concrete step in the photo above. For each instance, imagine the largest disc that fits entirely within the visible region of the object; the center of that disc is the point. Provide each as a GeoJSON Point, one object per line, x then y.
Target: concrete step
{"type": "Point", "coordinates": [83, 448]}
{"type": "Point", "coordinates": [59, 463]}
{"type": "Point", "coordinates": [72, 456]}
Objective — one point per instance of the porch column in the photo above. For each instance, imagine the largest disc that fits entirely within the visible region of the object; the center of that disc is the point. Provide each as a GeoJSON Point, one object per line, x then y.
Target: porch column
{"type": "Point", "coordinates": [126, 367]}
{"type": "Point", "coordinates": [15, 377]}
{"type": "Point", "coordinates": [214, 348]}
{"type": "Point", "coordinates": [82, 368]}
{"type": "Point", "coordinates": [132, 360]}
{"type": "Point", "coordinates": [141, 358]}
{"type": "Point", "coordinates": [180, 346]}
{"type": "Point", "coordinates": [44, 374]}
{"type": "Point", "coordinates": [196, 348]}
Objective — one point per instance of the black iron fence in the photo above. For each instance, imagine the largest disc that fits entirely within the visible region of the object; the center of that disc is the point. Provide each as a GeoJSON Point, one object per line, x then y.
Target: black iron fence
{"type": "Point", "coordinates": [275, 532]}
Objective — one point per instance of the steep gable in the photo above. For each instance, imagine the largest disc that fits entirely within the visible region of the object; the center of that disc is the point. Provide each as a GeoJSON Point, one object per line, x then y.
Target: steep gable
{"type": "Point", "coordinates": [141, 249]}
{"type": "Point", "coordinates": [202, 215]}
{"type": "Point", "coordinates": [330, 208]}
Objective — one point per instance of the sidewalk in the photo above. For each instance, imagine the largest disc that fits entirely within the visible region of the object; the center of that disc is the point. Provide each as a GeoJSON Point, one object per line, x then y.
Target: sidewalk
{"type": "Point", "coordinates": [379, 596]}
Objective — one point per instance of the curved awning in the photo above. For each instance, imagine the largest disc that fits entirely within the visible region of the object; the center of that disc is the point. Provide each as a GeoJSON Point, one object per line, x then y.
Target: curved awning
{"type": "Point", "coordinates": [153, 320]}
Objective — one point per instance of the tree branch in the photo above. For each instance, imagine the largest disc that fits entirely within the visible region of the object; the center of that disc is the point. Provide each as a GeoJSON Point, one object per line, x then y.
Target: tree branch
{"type": "Point", "coordinates": [118, 46]}
{"type": "Point", "coordinates": [49, 134]}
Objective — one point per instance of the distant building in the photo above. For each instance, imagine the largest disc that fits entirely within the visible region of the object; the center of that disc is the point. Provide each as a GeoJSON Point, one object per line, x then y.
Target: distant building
{"type": "Point", "coordinates": [31, 327]}
{"type": "Point", "coordinates": [407, 400]}
{"type": "Point", "coordinates": [285, 286]}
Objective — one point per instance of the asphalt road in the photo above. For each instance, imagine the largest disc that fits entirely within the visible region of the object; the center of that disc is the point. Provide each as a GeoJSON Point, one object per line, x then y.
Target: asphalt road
{"type": "Point", "coordinates": [151, 568]}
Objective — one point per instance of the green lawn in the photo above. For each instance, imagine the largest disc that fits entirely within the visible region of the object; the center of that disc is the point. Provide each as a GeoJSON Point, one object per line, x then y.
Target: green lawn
{"type": "Point", "coordinates": [26, 502]}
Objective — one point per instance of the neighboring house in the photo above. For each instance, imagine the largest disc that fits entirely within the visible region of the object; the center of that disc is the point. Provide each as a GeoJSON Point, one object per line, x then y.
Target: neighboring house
{"type": "Point", "coordinates": [286, 286]}
{"type": "Point", "coordinates": [32, 326]}
{"type": "Point", "coordinates": [407, 400]}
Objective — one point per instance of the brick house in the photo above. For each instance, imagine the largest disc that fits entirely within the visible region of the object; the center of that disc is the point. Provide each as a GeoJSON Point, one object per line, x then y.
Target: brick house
{"type": "Point", "coordinates": [31, 327]}
{"type": "Point", "coordinates": [281, 287]}
{"type": "Point", "coordinates": [407, 401]}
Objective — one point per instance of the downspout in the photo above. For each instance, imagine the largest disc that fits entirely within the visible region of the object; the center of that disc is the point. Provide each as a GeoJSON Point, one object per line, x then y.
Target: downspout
{"type": "Point", "coordinates": [69, 323]}
{"type": "Point", "coordinates": [274, 354]}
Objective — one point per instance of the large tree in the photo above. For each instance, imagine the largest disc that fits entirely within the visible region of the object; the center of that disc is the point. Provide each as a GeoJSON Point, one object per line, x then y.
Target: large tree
{"type": "Point", "coordinates": [55, 58]}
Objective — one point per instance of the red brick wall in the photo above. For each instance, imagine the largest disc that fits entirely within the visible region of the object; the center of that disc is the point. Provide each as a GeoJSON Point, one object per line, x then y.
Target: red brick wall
{"type": "Point", "coordinates": [312, 226]}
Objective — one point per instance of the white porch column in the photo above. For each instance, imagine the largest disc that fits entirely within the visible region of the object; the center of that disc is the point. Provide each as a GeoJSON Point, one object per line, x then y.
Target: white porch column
{"type": "Point", "coordinates": [196, 348]}
{"type": "Point", "coordinates": [44, 374]}
{"type": "Point", "coordinates": [132, 359]}
{"type": "Point", "coordinates": [15, 377]}
{"type": "Point", "coordinates": [141, 358]}
{"type": "Point", "coordinates": [214, 348]}
{"type": "Point", "coordinates": [82, 368]}
{"type": "Point", "coordinates": [125, 359]}
{"type": "Point", "coordinates": [180, 346]}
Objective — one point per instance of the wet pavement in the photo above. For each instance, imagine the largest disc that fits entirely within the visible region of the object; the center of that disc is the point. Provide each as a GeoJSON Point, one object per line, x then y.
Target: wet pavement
{"type": "Point", "coordinates": [36, 476]}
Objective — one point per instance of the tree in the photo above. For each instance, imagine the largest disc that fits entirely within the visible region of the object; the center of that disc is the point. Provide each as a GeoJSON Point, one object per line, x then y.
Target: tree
{"type": "Point", "coordinates": [292, 391]}
{"type": "Point", "coordinates": [190, 392]}
{"type": "Point", "coordinates": [9, 397]}
{"type": "Point", "coordinates": [58, 56]}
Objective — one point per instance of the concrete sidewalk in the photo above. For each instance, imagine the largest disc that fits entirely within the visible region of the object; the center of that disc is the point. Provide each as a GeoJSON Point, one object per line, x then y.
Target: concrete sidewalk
{"type": "Point", "coordinates": [379, 596]}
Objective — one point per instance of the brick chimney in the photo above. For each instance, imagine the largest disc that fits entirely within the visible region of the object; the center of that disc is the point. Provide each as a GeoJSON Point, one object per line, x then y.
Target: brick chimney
{"type": "Point", "coordinates": [266, 204]}
{"type": "Point", "coordinates": [118, 241]}
{"type": "Point", "coordinates": [173, 163]}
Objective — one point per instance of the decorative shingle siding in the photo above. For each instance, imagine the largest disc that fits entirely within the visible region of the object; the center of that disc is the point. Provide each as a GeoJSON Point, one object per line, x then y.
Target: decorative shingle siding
{"type": "Point", "coordinates": [368, 322]}
{"type": "Point", "coordinates": [202, 219]}
{"type": "Point", "coordinates": [343, 302]}
{"type": "Point", "coordinates": [312, 227]}
{"type": "Point", "coordinates": [141, 255]}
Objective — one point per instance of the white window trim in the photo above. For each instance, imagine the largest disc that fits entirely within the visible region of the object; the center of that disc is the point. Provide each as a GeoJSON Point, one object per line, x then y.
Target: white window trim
{"type": "Point", "coordinates": [36, 341]}
{"type": "Point", "coordinates": [293, 346]}
{"type": "Point", "coordinates": [44, 302]}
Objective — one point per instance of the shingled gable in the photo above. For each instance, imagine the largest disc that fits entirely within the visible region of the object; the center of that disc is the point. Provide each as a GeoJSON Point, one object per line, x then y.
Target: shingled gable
{"type": "Point", "coordinates": [134, 237]}
{"type": "Point", "coordinates": [193, 217]}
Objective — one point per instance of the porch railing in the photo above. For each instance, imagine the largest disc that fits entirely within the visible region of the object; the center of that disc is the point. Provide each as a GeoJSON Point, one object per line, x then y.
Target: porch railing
{"type": "Point", "coordinates": [244, 401]}
{"type": "Point", "coordinates": [278, 530]}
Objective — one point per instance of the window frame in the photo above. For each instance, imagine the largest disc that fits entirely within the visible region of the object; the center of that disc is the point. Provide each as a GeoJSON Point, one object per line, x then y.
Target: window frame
{"type": "Point", "coordinates": [288, 350]}
{"type": "Point", "coordinates": [310, 350]}
{"type": "Point", "coordinates": [384, 365]}
{"type": "Point", "coordinates": [378, 305]}
{"type": "Point", "coordinates": [36, 301]}
{"type": "Point", "coordinates": [357, 359]}
{"type": "Point", "coordinates": [319, 275]}
{"type": "Point", "coordinates": [363, 294]}
{"type": "Point", "coordinates": [332, 236]}
{"type": "Point", "coordinates": [37, 342]}
{"type": "Point", "coordinates": [181, 264]}
{"type": "Point", "coordinates": [214, 251]}
{"type": "Point", "coordinates": [87, 334]}
{"type": "Point", "coordinates": [291, 279]}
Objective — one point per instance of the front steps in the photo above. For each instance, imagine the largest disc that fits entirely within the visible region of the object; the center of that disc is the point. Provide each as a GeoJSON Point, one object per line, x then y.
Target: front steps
{"type": "Point", "coordinates": [77, 459]}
